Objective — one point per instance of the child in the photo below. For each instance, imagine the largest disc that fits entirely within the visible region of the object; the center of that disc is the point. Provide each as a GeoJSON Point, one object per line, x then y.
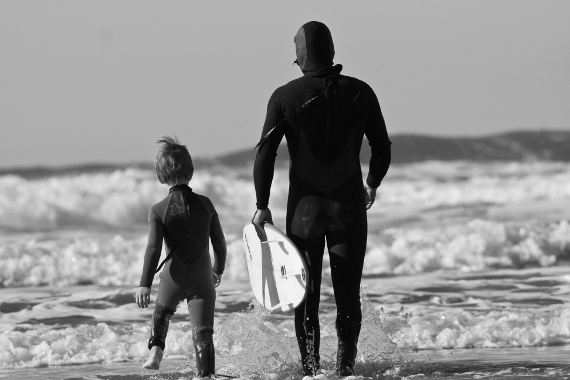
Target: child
{"type": "Point", "coordinates": [185, 220]}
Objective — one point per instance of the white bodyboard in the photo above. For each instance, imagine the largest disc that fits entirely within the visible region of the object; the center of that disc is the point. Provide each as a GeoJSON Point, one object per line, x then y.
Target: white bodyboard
{"type": "Point", "coordinates": [277, 272]}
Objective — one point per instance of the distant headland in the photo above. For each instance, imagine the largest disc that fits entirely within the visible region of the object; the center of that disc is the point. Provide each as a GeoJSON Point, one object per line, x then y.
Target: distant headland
{"type": "Point", "coordinates": [540, 145]}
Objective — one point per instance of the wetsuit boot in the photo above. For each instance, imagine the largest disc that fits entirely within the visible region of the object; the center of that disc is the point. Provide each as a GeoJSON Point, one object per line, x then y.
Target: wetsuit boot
{"type": "Point", "coordinates": [160, 321]}
{"type": "Point", "coordinates": [347, 333]}
{"type": "Point", "coordinates": [204, 347]}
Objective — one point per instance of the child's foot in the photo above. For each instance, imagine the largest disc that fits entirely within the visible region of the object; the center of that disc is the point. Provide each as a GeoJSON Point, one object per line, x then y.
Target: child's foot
{"type": "Point", "coordinates": [154, 358]}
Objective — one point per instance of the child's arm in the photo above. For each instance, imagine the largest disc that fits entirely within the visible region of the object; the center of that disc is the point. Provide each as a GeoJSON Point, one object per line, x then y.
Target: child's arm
{"type": "Point", "coordinates": [151, 257]}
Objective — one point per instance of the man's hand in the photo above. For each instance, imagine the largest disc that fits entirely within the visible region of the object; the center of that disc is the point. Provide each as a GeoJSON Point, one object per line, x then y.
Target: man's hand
{"type": "Point", "coordinates": [262, 216]}
{"type": "Point", "coordinates": [143, 297]}
{"type": "Point", "coordinates": [369, 196]}
{"type": "Point", "coordinates": [217, 279]}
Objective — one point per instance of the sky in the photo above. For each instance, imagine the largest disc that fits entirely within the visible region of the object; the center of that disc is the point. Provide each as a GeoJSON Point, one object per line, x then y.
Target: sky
{"type": "Point", "coordinates": [101, 81]}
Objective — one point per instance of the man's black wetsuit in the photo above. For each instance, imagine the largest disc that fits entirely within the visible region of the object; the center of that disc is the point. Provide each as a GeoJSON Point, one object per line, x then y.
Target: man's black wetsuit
{"type": "Point", "coordinates": [324, 116]}
{"type": "Point", "coordinates": [186, 221]}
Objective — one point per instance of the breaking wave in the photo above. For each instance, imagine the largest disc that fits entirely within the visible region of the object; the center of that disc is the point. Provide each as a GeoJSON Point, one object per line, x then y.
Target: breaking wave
{"type": "Point", "coordinates": [123, 197]}
{"type": "Point", "coordinates": [118, 199]}
{"type": "Point", "coordinates": [104, 259]}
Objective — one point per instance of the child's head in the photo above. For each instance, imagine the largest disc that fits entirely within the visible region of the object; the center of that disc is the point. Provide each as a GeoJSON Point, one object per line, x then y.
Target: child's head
{"type": "Point", "coordinates": [173, 162]}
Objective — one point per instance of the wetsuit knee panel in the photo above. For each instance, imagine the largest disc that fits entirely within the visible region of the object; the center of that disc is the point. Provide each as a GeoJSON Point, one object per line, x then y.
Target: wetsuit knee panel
{"type": "Point", "coordinates": [161, 311]}
{"type": "Point", "coordinates": [202, 337]}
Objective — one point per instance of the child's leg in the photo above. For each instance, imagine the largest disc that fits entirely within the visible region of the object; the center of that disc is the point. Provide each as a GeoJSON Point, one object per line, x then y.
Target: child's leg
{"type": "Point", "coordinates": [169, 295]}
{"type": "Point", "coordinates": [159, 329]}
{"type": "Point", "coordinates": [201, 309]}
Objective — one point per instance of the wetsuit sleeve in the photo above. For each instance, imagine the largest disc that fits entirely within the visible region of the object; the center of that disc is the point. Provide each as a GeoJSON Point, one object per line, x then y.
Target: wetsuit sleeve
{"type": "Point", "coordinates": [219, 244]}
{"type": "Point", "coordinates": [377, 136]}
{"type": "Point", "coordinates": [153, 249]}
{"type": "Point", "coordinates": [267, 151]}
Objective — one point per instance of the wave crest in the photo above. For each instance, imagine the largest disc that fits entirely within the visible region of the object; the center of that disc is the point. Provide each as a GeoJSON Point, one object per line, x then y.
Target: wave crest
{"type": "Point", "coordinates": [105, 259]}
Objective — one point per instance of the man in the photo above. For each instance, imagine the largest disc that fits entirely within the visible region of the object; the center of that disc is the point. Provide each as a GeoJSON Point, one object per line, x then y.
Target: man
{"type": "Point", "coordinates": [324, 116]}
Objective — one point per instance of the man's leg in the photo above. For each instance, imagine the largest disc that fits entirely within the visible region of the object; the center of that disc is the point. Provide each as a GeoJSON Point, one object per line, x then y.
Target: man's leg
{"type": "Point", "coordinates": [307, 313]}
{"type": "Point", "coordinates": [346, 249]}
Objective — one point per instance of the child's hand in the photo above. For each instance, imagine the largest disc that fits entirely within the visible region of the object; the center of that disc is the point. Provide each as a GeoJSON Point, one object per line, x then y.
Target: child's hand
{"type": "Point", "coordinates": [217, 279]}
{"type": "Point", "coordinates": [143, 297]}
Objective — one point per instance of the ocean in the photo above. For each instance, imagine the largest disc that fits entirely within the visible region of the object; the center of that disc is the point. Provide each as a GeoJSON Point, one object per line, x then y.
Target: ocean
{"type": "Point", "coordinates": [467, 275]}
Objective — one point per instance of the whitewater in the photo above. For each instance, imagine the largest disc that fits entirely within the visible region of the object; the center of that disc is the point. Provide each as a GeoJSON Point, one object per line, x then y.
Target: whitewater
{"type": "Point", "coordinates": [466, 274]}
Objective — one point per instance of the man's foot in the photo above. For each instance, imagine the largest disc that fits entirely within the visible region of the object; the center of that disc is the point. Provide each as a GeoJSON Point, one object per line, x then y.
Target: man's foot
{"type": "Point", "coordinates": [319, 375]}
{"type": "Point", "coordinates": [154, 358]}
{"type": "Point", "coordinates": [310, 366]}
{"type": "Point", "coordinates": [344, 370]}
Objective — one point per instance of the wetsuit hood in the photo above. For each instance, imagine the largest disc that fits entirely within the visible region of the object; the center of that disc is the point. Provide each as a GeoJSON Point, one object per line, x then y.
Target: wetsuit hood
{"type": "Point", "coordinates": [314, 47]}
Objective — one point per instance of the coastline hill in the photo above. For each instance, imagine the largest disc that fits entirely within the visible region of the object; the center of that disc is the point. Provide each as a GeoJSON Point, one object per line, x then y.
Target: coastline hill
{"type": "Point", "coordinates": [543, 145]}
{"type": "Point", "coordinates": [546, 145]}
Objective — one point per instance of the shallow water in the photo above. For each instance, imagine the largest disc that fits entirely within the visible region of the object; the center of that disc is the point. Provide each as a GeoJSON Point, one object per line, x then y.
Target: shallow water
{"type": "Point", "coordinates": [440, 324]}
{"type": "Point", "coordinates": [546, 363]}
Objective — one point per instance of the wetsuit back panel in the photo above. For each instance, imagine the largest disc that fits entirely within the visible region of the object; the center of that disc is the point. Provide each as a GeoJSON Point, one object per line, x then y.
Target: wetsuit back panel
{"type": "Point", "coordinates": [187, 225]}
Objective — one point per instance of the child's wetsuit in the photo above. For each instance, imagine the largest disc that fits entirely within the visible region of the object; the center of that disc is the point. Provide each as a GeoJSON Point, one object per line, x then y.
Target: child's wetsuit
{"type": "Point", "coordinates": [186, 221]}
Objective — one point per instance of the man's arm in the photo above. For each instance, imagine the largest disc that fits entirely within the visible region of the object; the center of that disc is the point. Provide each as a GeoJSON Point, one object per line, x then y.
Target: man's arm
{"type": "Point", "coordinates": [379, 144]}
{"type": "Point", "coordinates": [267, 151]}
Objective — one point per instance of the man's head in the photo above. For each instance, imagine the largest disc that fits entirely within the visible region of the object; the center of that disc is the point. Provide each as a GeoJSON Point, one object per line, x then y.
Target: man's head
{"type": "Point", "coordinates": [314, 46]}
{"type": "Point", "coordinates": [173, 162]}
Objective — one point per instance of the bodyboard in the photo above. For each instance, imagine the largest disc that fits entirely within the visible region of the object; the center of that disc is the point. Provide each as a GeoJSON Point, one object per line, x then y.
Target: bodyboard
{"type": "Point", "coordinates": [277, 272]}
